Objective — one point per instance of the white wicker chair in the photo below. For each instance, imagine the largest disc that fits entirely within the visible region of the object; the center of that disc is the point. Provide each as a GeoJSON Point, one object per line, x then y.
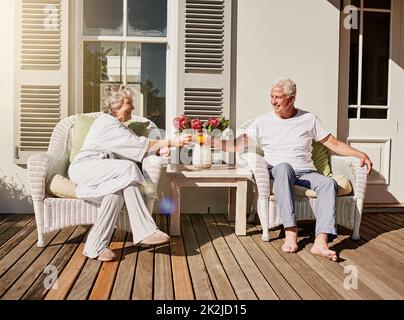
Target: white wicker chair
{"type": "Point", "coordinates": [56, 213]}
{"type": "Point", "coordinates": [349, 208]}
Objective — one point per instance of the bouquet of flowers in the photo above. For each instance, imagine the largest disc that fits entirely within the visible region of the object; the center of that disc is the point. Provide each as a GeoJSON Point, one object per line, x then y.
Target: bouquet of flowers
{"type": "Point", "coordinates": [183, 122]}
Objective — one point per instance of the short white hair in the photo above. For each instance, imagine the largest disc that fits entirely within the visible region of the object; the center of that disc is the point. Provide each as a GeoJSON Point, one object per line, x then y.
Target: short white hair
{"type": "Point", "coordinates": [287, 85]}
{"type": "Point", "coordinates": [114, 96]}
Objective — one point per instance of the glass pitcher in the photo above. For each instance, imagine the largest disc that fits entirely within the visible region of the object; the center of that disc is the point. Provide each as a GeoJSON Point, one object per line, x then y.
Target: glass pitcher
{"type": "Point", "coordinates": [202, 151]}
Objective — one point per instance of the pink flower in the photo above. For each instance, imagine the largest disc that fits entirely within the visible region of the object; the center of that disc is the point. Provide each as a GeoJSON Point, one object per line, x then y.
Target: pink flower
{"type": "Point", "coordinates": [196, 124]}
{"type": "Point", "coordinates": [212, 123]}
{"type": "Point", "coordinates": [182, 122]}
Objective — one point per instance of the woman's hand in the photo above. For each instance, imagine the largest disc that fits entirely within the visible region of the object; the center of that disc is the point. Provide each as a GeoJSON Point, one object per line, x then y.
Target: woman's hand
{"type": "Point", "coordinates": [181, 141]}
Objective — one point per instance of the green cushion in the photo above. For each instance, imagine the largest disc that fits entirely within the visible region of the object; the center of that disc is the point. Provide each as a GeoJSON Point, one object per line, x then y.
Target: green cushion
{"type": "Point", "coordinates": [321, 159]}
{"type": "Point", "coordinates": [81, 127]}
{"type": "Point", "coordinates": [83, 124]}
{"type": "Point", "coordinates": [139, 128]}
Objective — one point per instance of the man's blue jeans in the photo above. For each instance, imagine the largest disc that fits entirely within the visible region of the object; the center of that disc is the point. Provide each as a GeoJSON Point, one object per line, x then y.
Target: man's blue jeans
{"type": "Point", "coordinates": [285, 177]}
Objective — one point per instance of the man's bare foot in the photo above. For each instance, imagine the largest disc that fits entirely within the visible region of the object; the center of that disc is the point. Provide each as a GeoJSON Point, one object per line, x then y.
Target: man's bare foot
{"type": "Point", "coordinates": [320, 248]}
{"type": "Point", "coordinates": [290, 245]}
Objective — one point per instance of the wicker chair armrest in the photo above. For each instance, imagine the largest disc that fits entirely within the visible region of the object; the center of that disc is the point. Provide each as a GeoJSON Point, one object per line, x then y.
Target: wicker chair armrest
{"type": "Point", "coordinates": [351, 169]}
{"type": "Point", "coordinates": [151, 167]}
{"type": "Point", "coordinates": [37, 168]}
{"type": "Point", "coordinates": [259, 168]}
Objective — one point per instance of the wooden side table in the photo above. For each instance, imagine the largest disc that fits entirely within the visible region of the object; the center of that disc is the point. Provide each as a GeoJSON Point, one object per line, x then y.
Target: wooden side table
{"type": "Point", "coordinates": [222, 175]}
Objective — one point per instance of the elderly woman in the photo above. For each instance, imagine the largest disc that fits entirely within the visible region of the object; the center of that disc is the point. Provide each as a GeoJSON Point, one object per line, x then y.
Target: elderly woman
{"type": "Point", "coordinates": [105, 171]}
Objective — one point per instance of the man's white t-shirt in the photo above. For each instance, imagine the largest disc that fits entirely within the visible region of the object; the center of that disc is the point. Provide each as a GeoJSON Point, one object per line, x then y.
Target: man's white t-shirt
{"type": "Point", "coordinates": [287, 140]}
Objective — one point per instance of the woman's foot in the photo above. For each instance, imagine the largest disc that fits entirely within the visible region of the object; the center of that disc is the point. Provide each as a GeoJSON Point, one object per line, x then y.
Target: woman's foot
{"type": "Point", "coordinates": [320, 248]}
{"type": "Point", "coordinates": [106, 255]}
{"type": "Point", "coordinates": [290, 245]}
{"type": "Point", "coordinates": [157, 237]}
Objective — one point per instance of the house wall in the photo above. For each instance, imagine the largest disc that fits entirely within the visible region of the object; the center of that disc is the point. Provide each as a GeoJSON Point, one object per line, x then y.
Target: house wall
{"type": "Point", "coordinates": [298, 39]}
{"type": "Point", "coordinates": [13, 179]}
{"type": "Point", "coordinates": [293, 38]}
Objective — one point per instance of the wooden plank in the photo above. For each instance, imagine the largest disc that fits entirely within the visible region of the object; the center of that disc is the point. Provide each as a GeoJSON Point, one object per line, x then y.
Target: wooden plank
{"type": "Point", "coordinates": [10, 259]}
{"type": "Point", "coordinates": [69, 275]}
{"type": "Point", "coordinates": [122, 289]}
{"type": "Point", "coordinates": [38, 290]}
{"type": "Point", "coordinates": [143, 280]}
{"type": "Point", "coordinates": [238, 280]}
{"type": "Point", "coordinates": [105, 280]}
{"type": "Point", "coordinates": [16, 239]}
{"type": "Point", "coordinates": [334, 281]}
{"type": "Point", "coordinates": [388, 225]}
{"type": "Point", "coordinates": [313, 280]}
{"type": "Point", "coordinates": [363, 290]}
{"type": "Point", "coordinates": [4, 218]}
{"type": "Point", "coordinates": [82, 287]}
{"type": "Point", "coordinates": [9, 221]}
{"type": "Point", "coordinates": [282, 288]}
{"type": "Point", "coordinates": [399, 217]}
{"type": "Point", "coordinates": [181, 277]}
{"type": "Point", "coordinates": [385, 228]}
{"type": "Point", "coordinates": [385, 232]}
{"type": "Point", "coordinates": [200, 279]}
{"type": "Point", "coordinates": [220, 282]}
{"type": "Point", "coordinates": [84, 283]}
{"type": "Point", "coordinates": [379, 252]}
{"type": "Point", "coordinates": [364, 264]}
{"type": "Point", "coordinates": [26, 252]}
{"type": "Point", "coordinates": [163, 279]}
{"type": "Point", "coordinates": [257, 281]}
{"type": "Point", "coordinates": [28, 277]}
{"type": "Point", "coordinates": [383, 205]}
{"type": "Point", "coordinates": [284, 266]}
{"type": "Point", "coordinates": [12, 226]}
{"type": "Point", "coordinates": [371, 235]}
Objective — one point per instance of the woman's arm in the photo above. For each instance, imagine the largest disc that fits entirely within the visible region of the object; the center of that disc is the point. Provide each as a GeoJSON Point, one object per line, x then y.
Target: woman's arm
{"type": "Point", "coordinates": [344, 149]}
{"type": "Point", "coordinates": [180, 141]}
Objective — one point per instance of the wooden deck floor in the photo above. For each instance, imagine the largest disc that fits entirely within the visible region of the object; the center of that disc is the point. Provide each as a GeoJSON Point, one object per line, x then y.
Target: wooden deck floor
{"type": "Point", "coordinates": [207, 262]}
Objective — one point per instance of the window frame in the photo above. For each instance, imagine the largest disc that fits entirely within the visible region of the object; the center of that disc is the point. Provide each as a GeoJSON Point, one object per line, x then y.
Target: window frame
{"type": "Point", "coordinates": [171, 41]}
{"type": "Point", "coordinates": [359, 105]}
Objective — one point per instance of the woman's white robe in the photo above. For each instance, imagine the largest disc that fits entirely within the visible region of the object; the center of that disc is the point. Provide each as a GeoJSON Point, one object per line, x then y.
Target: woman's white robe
{"type": "Point", "coordinates": [105, 163]}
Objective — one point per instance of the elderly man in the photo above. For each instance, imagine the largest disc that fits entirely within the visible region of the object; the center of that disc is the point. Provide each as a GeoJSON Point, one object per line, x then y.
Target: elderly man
{"type": "Point", "coordinates": [285, 135]}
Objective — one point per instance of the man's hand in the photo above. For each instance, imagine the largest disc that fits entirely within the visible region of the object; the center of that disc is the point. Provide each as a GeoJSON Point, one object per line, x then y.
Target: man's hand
{"type": "Point", "coordinates": [365, 161]}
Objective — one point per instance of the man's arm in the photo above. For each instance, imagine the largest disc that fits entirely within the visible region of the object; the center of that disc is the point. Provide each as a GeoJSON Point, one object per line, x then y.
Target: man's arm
{"type": "Point", "coordinates": [344, 149]}
{"type": "Point", "coordinates": [238, 145]}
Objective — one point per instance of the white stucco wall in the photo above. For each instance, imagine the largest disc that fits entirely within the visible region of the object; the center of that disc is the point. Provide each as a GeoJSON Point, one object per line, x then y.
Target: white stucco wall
{"type": "Point", "coordinates": [13, 179]}
{"type": "Point", "coordinates": [298, 39]}
{"type": "Point", "coordinates": [294, 38]}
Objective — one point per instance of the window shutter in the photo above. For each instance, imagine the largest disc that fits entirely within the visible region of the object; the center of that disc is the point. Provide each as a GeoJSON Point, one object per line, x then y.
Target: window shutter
{"type": "Point", "coordinates": [41, 73]}
{"type": "Point", "coordinates": [204, 58]}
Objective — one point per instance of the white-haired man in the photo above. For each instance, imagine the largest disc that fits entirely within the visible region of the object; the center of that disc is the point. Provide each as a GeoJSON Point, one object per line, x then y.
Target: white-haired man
{"type": "Point", "coordinates": [285, 135]}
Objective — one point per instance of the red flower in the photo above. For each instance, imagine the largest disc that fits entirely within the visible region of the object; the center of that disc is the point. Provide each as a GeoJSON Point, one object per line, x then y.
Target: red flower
{"type": "Point", "coordinates": [212, 123]}
{"type": "Point", "coordinates": [182, 122]}
{"type": "Point", "coordinates": [196, 124]}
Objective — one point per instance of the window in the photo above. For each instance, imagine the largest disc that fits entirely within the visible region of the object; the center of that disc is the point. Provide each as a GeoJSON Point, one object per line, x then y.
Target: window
{"type": "Point", "coordinates": [369, 61]}
{"type": "Point", "coordinates": [125, 42]}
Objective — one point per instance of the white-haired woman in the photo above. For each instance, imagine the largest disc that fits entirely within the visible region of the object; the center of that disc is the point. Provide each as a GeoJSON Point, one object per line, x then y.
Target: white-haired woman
{"type": "Point", "coordinates": [105, 170]}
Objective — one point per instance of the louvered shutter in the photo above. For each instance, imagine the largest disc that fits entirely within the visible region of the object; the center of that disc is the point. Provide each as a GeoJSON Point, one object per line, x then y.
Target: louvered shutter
{"type": "Point", "coordinates": [204, 58]}
{"type": "Point", "coordinates": [41, 73]}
